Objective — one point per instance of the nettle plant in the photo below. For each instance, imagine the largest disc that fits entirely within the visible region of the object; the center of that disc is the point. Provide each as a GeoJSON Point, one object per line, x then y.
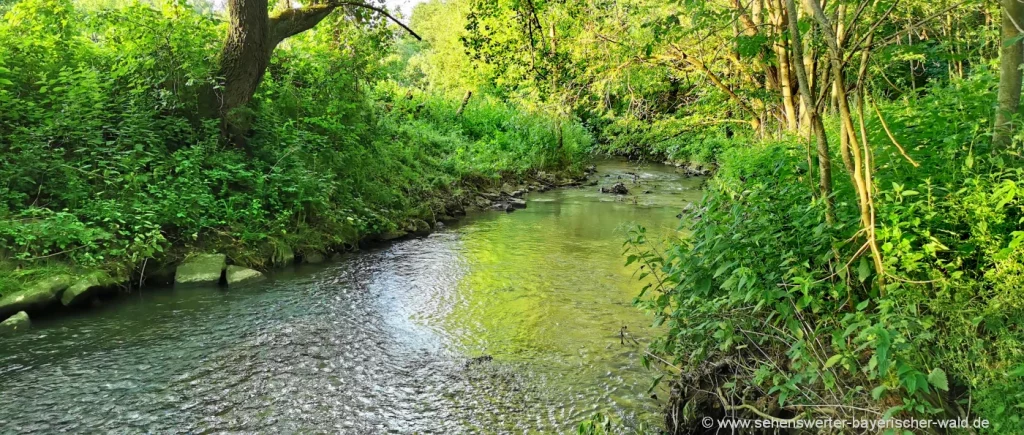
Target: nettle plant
{"type": "Point", "coordinates": [783, 313]}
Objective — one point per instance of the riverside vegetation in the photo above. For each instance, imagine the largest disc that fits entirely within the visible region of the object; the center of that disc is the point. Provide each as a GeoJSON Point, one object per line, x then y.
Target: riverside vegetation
{"type": "Point", "coordinates": [859, 252]}
{"type": "Point", "coordinates": [109, 164]}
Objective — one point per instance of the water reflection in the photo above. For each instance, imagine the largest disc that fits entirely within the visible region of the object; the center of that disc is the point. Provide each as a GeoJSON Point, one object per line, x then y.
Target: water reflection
{"type": "Point", "coordinates": [381, 341]}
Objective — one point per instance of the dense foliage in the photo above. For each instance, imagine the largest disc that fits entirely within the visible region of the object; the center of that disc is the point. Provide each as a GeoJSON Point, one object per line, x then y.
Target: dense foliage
{"type": "Point", "coordinates": [860, 251]}
{"type": "Point", "coordinates": [769, 289]}
{"type": "Point", "coordinates": [107, 162]}
{"type": "Point", "coordinates": [773, 305]}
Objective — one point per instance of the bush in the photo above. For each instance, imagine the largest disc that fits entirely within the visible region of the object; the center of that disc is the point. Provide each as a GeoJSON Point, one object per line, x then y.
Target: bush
{"type": "Point", "coordinates": [793, 308]}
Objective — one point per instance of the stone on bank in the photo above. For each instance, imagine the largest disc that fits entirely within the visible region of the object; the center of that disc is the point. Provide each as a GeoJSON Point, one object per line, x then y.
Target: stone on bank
{"type": "Point", "coordinates": [16, 323]}
{"type": "Point", "coordinates": [86, 287]}
{"type": "Point", "coordinates": [201, 269]}
{"type": "Point", "coordinates": [392, 235]}
{"type": "Point", "coordinates": [313, 258]}
{"type": "Point", "coordinates": [237, 274]}
{"type": "Point", "coordinates": [37, 296]}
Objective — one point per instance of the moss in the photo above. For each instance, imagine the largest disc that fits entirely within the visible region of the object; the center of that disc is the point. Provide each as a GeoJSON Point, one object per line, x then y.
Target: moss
{"type": "Point", "coordinates": [16, 323]}
{"type": "Point", "coordinates": [201, 269]}
{"type": "Point", "coordinates": [36, 296]}
{"type": "Point", "coordinates": [86, 287]}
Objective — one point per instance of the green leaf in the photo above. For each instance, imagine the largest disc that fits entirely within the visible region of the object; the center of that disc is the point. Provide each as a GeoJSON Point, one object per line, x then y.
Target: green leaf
{"type": "Point", "coordinates": [877, 392]}
{"type": "Point", "coordinates": [938, 379]}
{"type": "Point", "coordinates": [654, 383]}
{"type": "Point", "coordinates": [891, 411]}
{"type": "Point", "coordinates": [833, 360]}
{"type": "Point", "coordinates": [864, 269]}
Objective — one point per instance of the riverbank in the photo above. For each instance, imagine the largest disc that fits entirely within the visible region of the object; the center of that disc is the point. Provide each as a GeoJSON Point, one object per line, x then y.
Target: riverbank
{"type": "Point", "coordinates": [497, 322]}
{"type": "Point", "coordinates": [65, 287]}
{"type": "Point", "coordinates": [774, 309]}
{"type": "Point", "coordinates": [112, 162]}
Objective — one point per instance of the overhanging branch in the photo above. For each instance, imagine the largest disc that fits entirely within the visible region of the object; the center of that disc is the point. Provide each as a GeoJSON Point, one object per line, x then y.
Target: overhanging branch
{"type": "Point", "coordinates": [291, 22]}
{"type": "Point", "coordinates": [379, 11]}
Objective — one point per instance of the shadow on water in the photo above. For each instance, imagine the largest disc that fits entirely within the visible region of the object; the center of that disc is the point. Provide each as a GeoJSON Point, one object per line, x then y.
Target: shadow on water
{"type": "Point", "coordinates": [503, 322]}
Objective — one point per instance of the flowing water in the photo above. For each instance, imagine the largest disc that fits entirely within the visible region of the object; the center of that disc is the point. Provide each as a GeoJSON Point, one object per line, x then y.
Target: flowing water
{"type": "Point", "coordinates": [503, 323]}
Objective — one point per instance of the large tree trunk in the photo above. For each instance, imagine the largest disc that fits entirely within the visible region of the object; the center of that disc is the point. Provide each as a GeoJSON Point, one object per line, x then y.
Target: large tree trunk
{"type": "Point", "coordinates": [252, 36]}
{"type": "Point", "coordinates": [1010, 58]}
{"type": "Point", "coordinates": [243, 62]}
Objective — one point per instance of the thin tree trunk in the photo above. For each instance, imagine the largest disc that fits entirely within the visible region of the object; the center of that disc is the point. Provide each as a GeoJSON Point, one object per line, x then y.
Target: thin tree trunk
{"type": "Point", "coordinates": [465, 101]}
{"type": "Point", "coordinates": [755, 123]}
{"type": "Point", "coordinates": [860, 179]}
{"type": "Point", "coordinates": [751, 29]}
{"type": "Point", "coordinates": [817, 127]}
{"type": "Point", "coordinates": [785, 81]}
{"type": "Point", "coordinates": [1010, 58]}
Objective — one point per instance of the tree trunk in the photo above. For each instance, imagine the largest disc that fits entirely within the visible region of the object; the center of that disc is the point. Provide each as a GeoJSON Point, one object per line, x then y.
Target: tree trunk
{"type": "Point", "coordinates": [252, 36]}
{"type": "Point", "coordinates": [1010, 58]}
{"type": "Point", "coordinates": [861, 175]}
{"type": "Point", "coordinates": [465, 101]}
{"type": "Point", "coordinates": [750, 27]}
{"type": "Point", "coordinates": [817, 127]}
{"type": "Point", "coordinates": [785, 81]}
{"type": "Point", "coordinates": [243, 62]}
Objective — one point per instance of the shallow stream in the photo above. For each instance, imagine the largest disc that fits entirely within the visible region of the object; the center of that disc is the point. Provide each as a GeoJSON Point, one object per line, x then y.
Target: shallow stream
{"type": "Point", "coordinates": [517, 322]}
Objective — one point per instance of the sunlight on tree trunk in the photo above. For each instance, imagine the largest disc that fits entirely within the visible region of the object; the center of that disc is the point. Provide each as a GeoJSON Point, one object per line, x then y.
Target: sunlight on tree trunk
{"type": "Point", "coordinates": [861, 173]}
{"type": "Point", "coordinates": [1011, 54]}
{"type": "Point", "coordinates": [817, 127]}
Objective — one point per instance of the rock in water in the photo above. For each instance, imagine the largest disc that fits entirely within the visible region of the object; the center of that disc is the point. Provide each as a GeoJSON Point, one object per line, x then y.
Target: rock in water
{"type": "Point", "coordinates": [421, 226]}
{"type": "Point", "coordinates": [238, 274]}
{"type": "Point", "coordinates": [201, 269]}
{"type": "Point", "coordinates": [517, 203]}
{"type": "Point", "coordinates": [617, 189]}
{"type": "Point", "coordinates": [502, 206]}
{"type": "Point", "coordinates": [16, 323]}
{"type": "Point", "coordinates": [86, 287]}
{"type": "Point", "coordinates": [39, 295]}
{"type": "Point", "coordinates": [478, 360]}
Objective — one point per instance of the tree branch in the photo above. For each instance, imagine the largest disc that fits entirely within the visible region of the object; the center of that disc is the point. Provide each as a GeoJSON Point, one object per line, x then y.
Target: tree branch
{"type": "Point", "coordinates": [382, 12]}
{"type": "Point", "coordinates": [681, 55]}
{"type": "Point", "coordinates": [291, 22]}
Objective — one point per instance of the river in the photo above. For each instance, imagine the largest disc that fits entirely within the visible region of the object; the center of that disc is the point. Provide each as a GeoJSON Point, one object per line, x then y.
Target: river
{"type": "Point", "coordinates": [499, 323]}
